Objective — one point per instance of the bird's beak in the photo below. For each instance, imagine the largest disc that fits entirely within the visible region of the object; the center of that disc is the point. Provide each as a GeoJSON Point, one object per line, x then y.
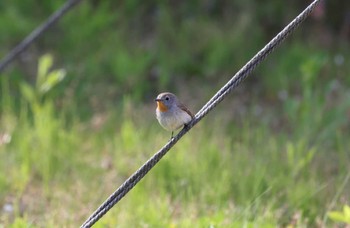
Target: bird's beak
{"type": "Point", "coordinates": [157, 99]}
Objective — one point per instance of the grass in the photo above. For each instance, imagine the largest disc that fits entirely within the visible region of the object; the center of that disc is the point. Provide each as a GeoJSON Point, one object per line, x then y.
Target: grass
{"type": "Point", "coordinates": [273, 154]}
{"type": "Point", "coordinates": [224, 173]}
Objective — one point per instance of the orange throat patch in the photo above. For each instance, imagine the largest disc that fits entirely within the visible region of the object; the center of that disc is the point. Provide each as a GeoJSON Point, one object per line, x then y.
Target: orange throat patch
{"type": "Point", "coordinates": [161, 106]}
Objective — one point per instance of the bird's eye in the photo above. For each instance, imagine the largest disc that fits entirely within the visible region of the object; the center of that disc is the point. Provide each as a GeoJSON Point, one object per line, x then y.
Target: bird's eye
{"type": "Point", "coordinates": [167, 98]}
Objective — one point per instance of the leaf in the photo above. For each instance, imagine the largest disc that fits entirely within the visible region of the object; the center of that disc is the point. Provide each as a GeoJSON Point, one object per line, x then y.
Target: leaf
{"type": "Point", "coordinates": [336, 216]}
{"type": "Point", "coordinates": [27, 92]}
{"type": "Point", "coordinates": [52, 79]}
{"type": "Point", "coordinates": [346, 211]}
{"type": "Point", "coordinates": [45, 63]}
{"type": "Point", "coordinates": [341, 216]}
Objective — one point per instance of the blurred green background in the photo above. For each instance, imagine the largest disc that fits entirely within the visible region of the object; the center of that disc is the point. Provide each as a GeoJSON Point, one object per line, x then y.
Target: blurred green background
{"type": "Point", "coordinates": [77, 114]}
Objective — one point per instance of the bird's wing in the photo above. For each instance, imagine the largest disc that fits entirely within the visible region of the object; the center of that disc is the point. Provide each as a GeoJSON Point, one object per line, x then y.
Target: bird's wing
{"type": "Point", "coordinates": [183, 107]}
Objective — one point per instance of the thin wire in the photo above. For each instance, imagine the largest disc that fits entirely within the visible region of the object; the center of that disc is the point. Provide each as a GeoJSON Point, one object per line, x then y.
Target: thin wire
{"type": "Point", "coordinates": [215, 100]}
{"type": "Point", "coordinates": [21, 47]}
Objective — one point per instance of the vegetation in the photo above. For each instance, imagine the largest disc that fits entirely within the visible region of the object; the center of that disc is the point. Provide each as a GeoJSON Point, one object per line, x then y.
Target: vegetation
{"type": "Point", "coordinates": [77, 116]}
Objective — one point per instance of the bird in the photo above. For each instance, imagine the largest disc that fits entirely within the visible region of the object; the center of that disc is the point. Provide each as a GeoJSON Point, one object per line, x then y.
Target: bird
{"type": "Point", "coordinates": [171, 113]}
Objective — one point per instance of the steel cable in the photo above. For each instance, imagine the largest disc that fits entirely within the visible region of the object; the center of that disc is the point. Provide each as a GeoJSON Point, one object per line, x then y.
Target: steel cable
{"type": "Point", "coordinates": [21, 47]}
{"type": "Point", "coordinates": [212, 103]}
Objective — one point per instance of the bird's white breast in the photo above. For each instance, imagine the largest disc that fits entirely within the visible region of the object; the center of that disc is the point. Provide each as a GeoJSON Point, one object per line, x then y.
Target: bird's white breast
{"type": "Point", "coordinates": [173, 120]}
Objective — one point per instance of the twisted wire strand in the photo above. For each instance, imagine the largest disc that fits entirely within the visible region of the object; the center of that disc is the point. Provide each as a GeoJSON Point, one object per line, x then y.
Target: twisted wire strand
{"type": "Point", "coordinates": [261, 55]}
{"type": "Point", "coordinates": [21, 47]}
{"type": "Point", "coordinates": [212, 103]}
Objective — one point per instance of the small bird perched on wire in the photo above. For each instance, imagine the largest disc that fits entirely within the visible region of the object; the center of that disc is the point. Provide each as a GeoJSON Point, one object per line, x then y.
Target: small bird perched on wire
{"type": "Point", "coordinates": [171, 113]}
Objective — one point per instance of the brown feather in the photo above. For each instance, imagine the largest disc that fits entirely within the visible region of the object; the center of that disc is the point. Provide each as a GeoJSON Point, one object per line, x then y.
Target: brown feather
{"type": "Point", "coordinates": [184, 108]}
